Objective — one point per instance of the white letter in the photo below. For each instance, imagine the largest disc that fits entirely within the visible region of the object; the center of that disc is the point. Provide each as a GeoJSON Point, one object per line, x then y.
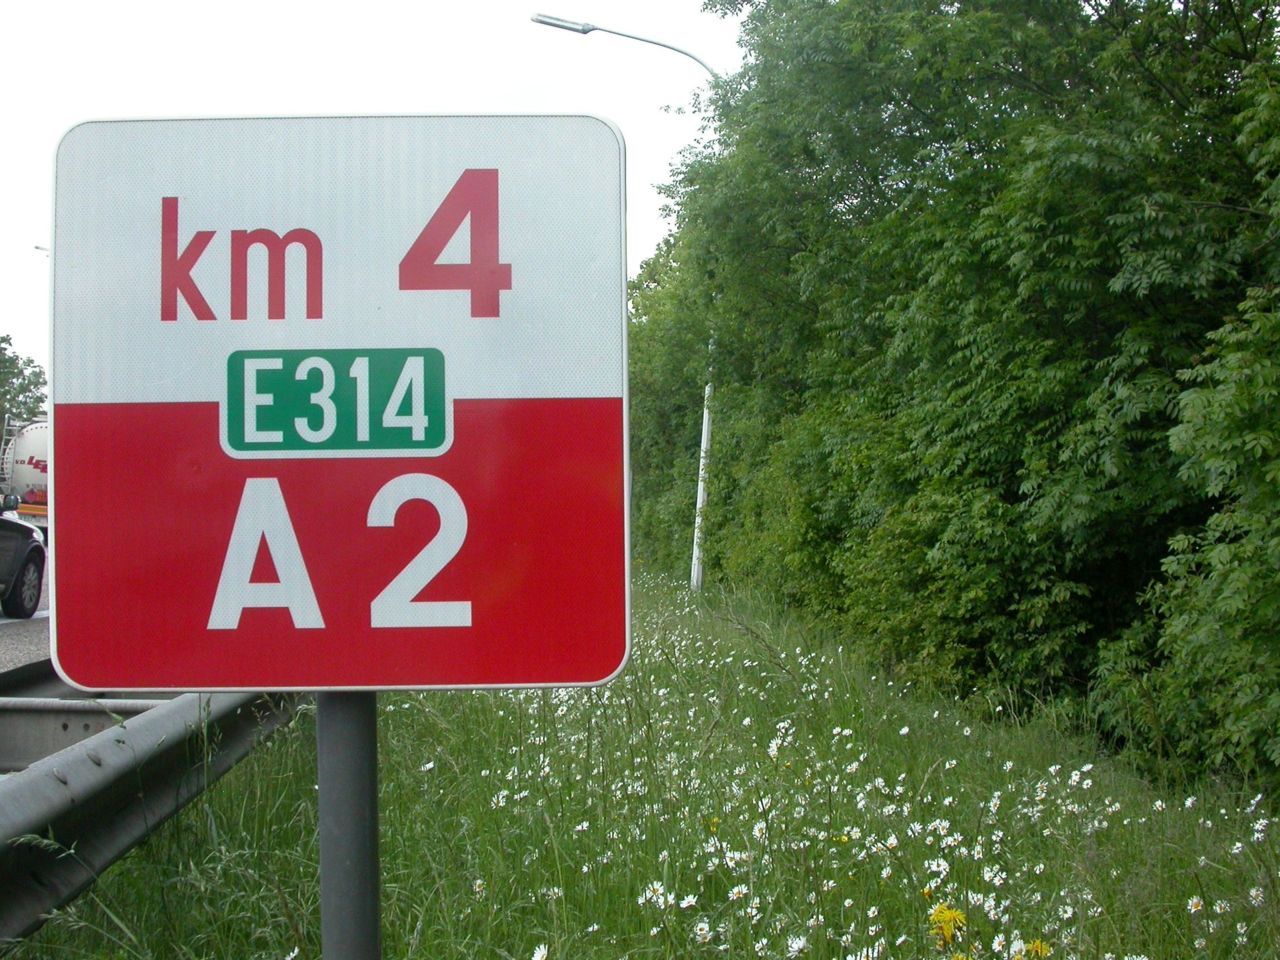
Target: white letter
{"type": "Point", "coordinates": [253, 400]}
{"type": "Point", "coordinates": [263, 516]}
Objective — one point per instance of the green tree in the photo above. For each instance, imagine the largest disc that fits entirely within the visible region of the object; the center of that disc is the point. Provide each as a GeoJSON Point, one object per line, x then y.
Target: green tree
{"type": "Point", "coordinates": [22, 384]}
{"type": "Point", "coordinates": [982, 279]}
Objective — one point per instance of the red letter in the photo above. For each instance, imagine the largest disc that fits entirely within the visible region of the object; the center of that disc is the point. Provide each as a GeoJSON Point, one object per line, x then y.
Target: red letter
{"type": "Point", "coordinates": [175, 268]}
{"type": "Point", "coordinates": [242, 240]}
{"type": "Point", "coordinates": [474, 196]}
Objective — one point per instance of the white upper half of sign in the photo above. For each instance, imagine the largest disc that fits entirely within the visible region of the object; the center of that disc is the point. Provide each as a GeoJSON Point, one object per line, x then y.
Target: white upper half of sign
{"type": "Point", "coordinates": [365, 187]}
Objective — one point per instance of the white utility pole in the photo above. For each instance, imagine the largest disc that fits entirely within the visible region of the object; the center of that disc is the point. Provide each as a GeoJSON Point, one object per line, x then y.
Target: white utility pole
{"type": "Point", "coordinates": [700, 503]}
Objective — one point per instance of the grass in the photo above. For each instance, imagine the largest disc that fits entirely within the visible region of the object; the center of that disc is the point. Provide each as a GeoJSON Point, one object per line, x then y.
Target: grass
{"type": "Point", "coordinates": [745, 788]}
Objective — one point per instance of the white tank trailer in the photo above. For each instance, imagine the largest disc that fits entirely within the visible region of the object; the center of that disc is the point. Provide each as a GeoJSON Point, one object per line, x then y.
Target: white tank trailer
{"type": "Point", "coordinates": [24, 468]}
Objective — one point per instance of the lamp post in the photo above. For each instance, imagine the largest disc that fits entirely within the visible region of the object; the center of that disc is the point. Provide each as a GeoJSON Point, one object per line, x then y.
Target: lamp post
{"type": "Point", "coordinates": [700, 503]}
{"type": "Point", "coordinates": [576, 27]}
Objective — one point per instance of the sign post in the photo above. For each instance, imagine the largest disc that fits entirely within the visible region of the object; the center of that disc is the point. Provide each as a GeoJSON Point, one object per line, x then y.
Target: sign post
{"type": "Point", "coordinates": [347, 771]}
{"type": "Point", "coordinates": [339, 404]}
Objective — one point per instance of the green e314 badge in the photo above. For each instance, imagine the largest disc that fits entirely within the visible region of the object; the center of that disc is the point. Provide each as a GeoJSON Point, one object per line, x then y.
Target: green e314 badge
{"type": "Point", "coordinates": [335, 400]}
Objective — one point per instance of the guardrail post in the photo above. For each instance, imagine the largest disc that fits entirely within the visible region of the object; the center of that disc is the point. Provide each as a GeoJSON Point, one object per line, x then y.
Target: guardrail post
{"type": "Point", "coordinates": [347, 768]}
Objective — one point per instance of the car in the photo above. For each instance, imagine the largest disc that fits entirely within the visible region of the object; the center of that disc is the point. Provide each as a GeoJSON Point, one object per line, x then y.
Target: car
{"type": "Point", "coordinates": [22, 557]}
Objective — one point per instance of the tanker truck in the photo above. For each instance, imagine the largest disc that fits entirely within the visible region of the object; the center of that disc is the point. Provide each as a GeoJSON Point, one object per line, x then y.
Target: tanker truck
{"type": "Point", "coordinates": [24, 468]}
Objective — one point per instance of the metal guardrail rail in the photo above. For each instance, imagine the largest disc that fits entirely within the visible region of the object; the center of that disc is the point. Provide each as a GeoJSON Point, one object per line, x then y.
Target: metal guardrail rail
{"type": "Point", "coordinates": [67, 816]}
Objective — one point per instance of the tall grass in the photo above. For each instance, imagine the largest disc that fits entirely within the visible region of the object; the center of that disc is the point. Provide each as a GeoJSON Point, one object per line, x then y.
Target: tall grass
{"type": "Point", "coordinates": [745, 788]}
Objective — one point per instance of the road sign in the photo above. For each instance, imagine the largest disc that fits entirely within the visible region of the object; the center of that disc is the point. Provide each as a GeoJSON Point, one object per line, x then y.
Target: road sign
{"type": "Point", "coordinates": [340, 403]}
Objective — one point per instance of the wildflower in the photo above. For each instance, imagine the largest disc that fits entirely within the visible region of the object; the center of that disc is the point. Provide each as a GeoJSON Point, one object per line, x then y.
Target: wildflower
{"type": "Point", "coordinates": [1195, 905]}
{"type": "Point", "coordinates": [1038, 948]}
{"type": "Point", "coordinates": [478, 887]}
{"type": "Point", "coordinates": [998, 943]}
{"type": "Point", "coordinates": [690, 900]}
{"type": "Point", "coordinates": [702, 931]}
{"type": "Point", "coordinates": [738, 892]}
{"type": "Point", "coordinates": [797, 945]}
{"type": "Point", "coordinates": [654, 892]}
{"type": "Point", "coordinates": [946, 923]}
{"type": "Point", "coordinates": [1255, 896]}
{"type": "Point", "coordinates": [540, 952]}
{"type": "Point", "coordinates": [904, 731]}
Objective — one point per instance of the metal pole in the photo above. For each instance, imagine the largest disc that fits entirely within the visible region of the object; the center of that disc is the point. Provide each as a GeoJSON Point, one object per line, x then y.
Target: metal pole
{"type": "Point", "coordinates": [347, 767]}
{"type": "Point", "coordinates": [695, 574]}
{"type": "Point", "coordinates": [577, 27]}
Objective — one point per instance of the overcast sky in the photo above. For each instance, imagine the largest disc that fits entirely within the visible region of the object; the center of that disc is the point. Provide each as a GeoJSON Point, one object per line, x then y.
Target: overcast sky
{"type": "Point", "coordinates": [77, 60]}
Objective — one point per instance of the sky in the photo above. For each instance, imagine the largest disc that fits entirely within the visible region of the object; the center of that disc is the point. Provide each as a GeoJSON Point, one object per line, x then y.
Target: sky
{"type": "Point", "coordinates": [76, 60]}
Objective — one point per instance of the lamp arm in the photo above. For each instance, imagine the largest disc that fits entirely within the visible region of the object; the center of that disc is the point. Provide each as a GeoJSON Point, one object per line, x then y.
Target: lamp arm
{"type": "Point", "coordinates": [658, 43]}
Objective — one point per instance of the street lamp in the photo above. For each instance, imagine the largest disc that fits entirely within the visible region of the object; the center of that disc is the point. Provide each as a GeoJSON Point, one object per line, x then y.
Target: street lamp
{"type": "Point", "coordinates": [577, 27]}
{"type": "Point", "coordinates": [700, 503]}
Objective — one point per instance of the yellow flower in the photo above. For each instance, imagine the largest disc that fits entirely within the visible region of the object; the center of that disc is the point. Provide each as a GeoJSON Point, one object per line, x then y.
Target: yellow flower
{"type": "Point", "coordinates": [946, 923]}
{"type": "Point", "coordinates": [927, 893]}
{"type": "Point", "coordinates": [713, 824]}
{"type": "Point", "coordinates": [1038, 948]}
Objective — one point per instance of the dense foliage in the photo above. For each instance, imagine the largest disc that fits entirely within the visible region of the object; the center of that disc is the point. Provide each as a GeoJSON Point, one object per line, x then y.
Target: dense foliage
{"type": "Point", "coordinates": [22, 384]}
{"type": "Point", "coordinates": [988, 292]}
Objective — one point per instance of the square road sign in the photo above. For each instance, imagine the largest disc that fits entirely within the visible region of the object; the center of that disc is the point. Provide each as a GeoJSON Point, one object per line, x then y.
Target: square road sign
{"type": "Point", "coordinates": [340, 403]}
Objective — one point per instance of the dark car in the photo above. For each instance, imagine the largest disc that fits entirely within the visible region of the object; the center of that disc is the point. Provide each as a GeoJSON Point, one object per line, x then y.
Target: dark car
{"type": "Point", "coordinates": [21, 563]}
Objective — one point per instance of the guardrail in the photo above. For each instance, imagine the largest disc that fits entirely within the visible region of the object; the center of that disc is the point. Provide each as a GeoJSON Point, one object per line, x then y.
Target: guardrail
{"type": "Point", "coordinates": [66, 817]}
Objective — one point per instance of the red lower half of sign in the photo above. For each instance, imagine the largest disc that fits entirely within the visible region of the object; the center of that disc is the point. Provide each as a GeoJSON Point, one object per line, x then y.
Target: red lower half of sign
{"type": "Point", "coordinates": [502, 562]}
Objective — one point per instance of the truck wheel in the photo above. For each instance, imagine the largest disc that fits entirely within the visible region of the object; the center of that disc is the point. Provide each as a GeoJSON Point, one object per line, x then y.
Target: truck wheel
{"type": "Point", "coordinates": [25, 596]}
